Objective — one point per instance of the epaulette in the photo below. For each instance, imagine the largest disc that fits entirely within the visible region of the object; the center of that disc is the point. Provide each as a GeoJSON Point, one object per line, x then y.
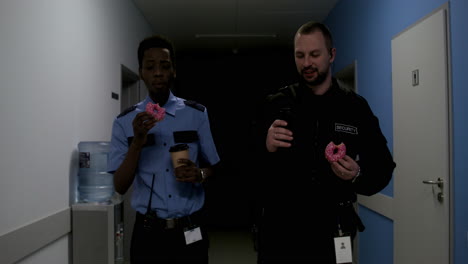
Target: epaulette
{"type": "Point", "coordinates": [195, 105]}
{"type": "Point", "coordinates": [126, 111]}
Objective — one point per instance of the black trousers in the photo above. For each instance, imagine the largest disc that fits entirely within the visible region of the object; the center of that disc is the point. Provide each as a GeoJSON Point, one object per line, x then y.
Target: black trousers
{"type": "Point", "coordinates": [294, 245]}
{"type": "Point", "coordinates": [161, 245]}
{"type": "Point", "coordinates": [305, 239]}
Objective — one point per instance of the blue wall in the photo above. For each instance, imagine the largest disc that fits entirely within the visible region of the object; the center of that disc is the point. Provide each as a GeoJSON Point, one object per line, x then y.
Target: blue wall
{"type": "Point", "coordinates": [363, 30]}
{"type": "Point", "coordinates": [377, 245]}
{"type": "Point", "coordinates": [459, 38]}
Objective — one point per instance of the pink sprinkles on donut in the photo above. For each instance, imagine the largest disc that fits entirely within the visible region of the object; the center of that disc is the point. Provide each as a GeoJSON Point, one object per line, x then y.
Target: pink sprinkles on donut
{"type": "Point", "coordinates": [335, 152]}
{"type": "Point", "coordinates": [154, 109]}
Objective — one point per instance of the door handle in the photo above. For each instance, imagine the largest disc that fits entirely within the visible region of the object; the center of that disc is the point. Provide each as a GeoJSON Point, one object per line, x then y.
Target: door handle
{"type": "Point", "coordinates": [439, 182]}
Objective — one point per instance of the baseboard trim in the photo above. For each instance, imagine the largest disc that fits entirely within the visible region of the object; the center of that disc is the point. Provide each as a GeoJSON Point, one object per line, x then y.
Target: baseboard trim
{"type": "Point", "coordinates": [379, 203]}
{"type": "Point", "coordinates": [25, 240]}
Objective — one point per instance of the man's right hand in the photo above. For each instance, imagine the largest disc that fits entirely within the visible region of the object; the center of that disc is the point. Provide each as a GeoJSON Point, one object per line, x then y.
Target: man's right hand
{"type": "Point", "coordinates": [124, 175]}
{"type": "Point", "coordinates": [142, 123]}
{"type": "Point", "coordinates": [278, 136]}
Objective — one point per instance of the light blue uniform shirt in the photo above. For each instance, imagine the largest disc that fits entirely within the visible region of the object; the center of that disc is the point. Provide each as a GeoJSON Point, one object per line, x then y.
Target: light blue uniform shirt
{"type": "Point", "coordinates": [170, 198]}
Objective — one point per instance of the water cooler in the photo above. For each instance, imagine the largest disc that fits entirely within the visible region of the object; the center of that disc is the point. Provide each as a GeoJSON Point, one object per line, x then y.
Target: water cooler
{"type": "Point", "coordinates": [97, 212]}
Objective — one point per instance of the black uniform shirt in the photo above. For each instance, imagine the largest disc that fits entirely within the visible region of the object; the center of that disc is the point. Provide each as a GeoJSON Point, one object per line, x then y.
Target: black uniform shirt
{"type": "Point", "coordinates": [301, 176]}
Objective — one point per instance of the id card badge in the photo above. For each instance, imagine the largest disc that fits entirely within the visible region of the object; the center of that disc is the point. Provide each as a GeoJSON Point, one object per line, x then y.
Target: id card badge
{"type": "Point", "coordinates": [192, 234]}
{"type": "Point", "coordinates": [343, 250]}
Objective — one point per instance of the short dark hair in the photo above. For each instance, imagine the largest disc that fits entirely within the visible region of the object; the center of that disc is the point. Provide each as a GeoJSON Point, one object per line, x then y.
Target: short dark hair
{"type": "Point", "coordinates": [156, 41]}
{"type": "Point", "coordinates": [313, 26]}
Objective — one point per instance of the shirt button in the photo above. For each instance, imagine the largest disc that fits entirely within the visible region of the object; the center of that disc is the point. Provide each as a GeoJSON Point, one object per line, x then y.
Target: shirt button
{"type": "Point", "coordinates": [164, 144]}
{"type": "Point", "coordinates": [167, 170]}
{"type": "Point", "coordinates": [170, 196]}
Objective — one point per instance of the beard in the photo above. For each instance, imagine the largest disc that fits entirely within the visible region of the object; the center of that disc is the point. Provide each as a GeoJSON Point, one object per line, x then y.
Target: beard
{"type": "Point", "coordinates": [321, 76]}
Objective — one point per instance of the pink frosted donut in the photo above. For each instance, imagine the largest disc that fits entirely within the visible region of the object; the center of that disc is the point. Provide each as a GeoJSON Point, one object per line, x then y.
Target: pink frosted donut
{"type": "Point", "coordinates": [154, 109]}
{"type": "Point", "coordinates": [335, 152]}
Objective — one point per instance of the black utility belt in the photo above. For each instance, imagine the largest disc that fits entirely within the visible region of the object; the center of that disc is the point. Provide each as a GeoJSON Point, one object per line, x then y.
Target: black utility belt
{"type": "Point", "coordinates": [151, 221]}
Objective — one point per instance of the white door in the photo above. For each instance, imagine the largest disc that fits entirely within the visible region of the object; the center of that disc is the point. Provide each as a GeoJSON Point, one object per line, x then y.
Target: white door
{"type": "Point", "coordinates": [421, 131]}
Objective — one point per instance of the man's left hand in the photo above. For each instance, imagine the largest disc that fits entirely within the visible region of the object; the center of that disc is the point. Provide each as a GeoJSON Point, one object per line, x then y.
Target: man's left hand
{"type": "Point", "coordinates": [345, 168]}
{"type": "Point", "coordinates": [188, 172]}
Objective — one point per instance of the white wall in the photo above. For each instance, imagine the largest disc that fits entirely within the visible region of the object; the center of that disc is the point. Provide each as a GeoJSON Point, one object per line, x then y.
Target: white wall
{"type": "Point", "coordinates": [59, 62]}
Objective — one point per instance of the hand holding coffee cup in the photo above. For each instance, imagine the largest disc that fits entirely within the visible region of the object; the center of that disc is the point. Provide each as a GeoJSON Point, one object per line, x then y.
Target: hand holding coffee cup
{"type": "Point", "coordinates": [179, 151]}
{"type": "Point", "coordinates": [185, 170]}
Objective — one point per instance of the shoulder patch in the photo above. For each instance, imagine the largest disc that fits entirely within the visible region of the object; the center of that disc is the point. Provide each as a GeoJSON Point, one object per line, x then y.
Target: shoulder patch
{"type": "Point", "coordinates": [126, 111]}
{"type": "Point", "coordinates": [194, 105]}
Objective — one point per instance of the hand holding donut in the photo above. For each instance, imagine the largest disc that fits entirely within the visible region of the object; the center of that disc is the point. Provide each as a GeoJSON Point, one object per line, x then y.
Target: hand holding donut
{"type": "Point", "coordinates": [142, 123]}
{"type": "Point", "coordinates": [278, 136]}
{"type": "Point", "coordinates": [345, 168]}
{"type": "Point", "coordinates": [341, 164]}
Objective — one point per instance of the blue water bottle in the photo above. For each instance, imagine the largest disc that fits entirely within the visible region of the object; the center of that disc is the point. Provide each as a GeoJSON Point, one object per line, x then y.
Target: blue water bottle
{"type": "Point", "coordinates": [94, 183]}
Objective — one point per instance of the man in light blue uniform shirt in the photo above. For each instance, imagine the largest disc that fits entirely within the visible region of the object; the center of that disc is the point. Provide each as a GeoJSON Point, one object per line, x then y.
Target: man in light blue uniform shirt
{"type": "Point", "coordinates": [169, 201]}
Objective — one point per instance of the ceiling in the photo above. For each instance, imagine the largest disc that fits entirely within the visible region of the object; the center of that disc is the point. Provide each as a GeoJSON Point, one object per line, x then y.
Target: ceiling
{"type": "Point", "coordinates": [231, 24]}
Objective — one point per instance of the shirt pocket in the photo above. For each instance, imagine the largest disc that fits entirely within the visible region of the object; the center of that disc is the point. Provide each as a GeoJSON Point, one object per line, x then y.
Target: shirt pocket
{"type": "Point", "coordinates": [186, 136]}
{"type": "Point", "coordinates": [150, 140]}
{"type": "Point", "coordinates": [189, 137]}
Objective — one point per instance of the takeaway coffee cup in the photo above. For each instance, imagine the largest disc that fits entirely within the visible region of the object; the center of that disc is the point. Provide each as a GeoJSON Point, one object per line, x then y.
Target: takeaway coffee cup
{"type": "Point", "coordinates": [179, 151]}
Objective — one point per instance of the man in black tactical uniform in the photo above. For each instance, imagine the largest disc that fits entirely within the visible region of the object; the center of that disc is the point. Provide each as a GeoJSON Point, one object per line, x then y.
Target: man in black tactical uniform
{"type": "Point", "coordinates": [307, 200]}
